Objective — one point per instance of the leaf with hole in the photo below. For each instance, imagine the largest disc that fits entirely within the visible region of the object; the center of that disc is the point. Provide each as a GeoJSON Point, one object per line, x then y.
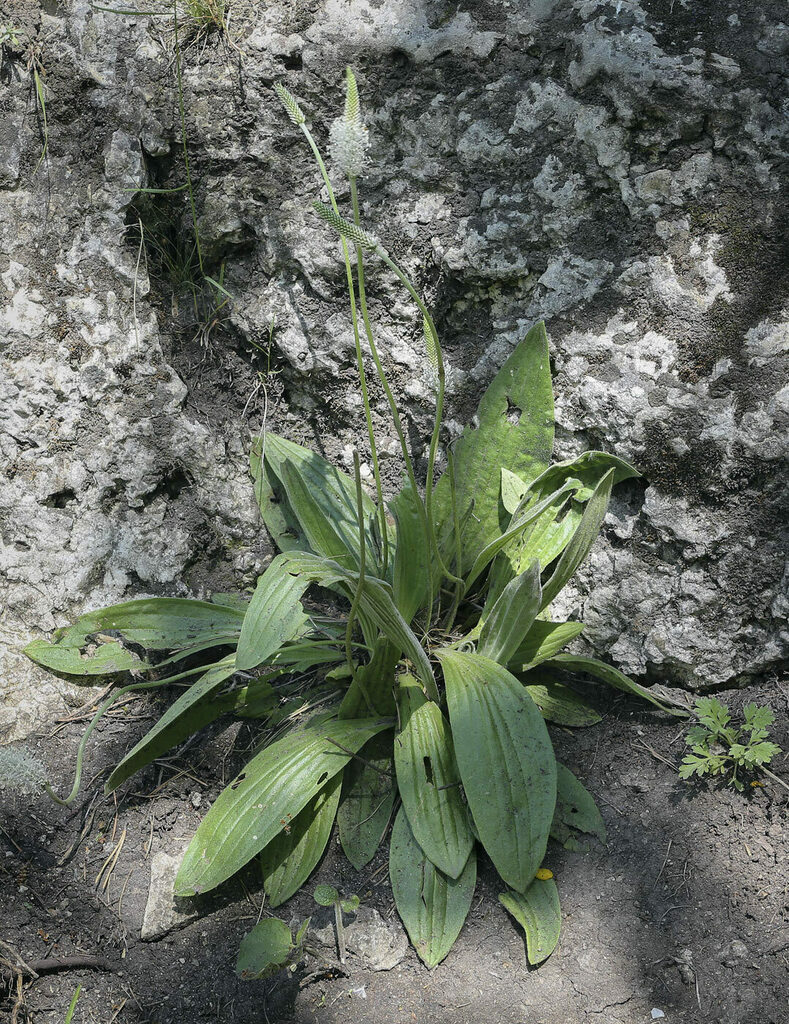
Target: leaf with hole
{"type": "Point", "coordinates": [576, 812]}
{"type": "Point", "coordinates": [291, 857]}
{"type": "Point", "coordinates": [266, 797]}
{"type": "Point", "coordinates": [428, 780]}
{"type": "Point", "coordinates": [515, 431]}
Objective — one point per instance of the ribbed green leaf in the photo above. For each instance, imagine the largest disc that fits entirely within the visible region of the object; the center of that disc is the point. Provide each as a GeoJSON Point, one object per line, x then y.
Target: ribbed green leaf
{"type": "Point", "coordinates": [519, 524]}
{"type": "Point", "coordinates": [543, 641]}
{"type": "Point", "coordinates": [290, 858]}
{"type": "Point", "coordinates": [267, 795]}
{"type": "Point", "coordinates": [576, 811]}
{"type": "Point", "coordinates": [511, 616]}
{"type": "Point", "coordinates": [194, 709]}
{"type": "Point", "coordinates": [611, 676]}
{"type": "Point", "coordinates": [558, 703]}
{"type": "Point", "coordinates": [432, 906]}
{"type": "Point", "coordinates": [412, 560]}
{"type": "Point", "coordinates": [367, 799]}
{"type": "Point", "coordinates": [272, 500]}
{"type": "Point", "coordinates": [154, 623]}
{"type": "Point", "coordinates": [584, 473]}
{"type": "Point", "coordinates": [317, 494]}
{"type": "Point", "coordinates": [549, 534]}
{"type": "Point", "coordinates": [376, 602]}
{"type": "Point", "coordinates": [537, 911]}
{"type": "Point", "coordinates": [373, 681]}
{"type": "Point", "coordinates": [66, 656]}
{"type": "Point", "coordinates": [274, 615]}
{"type": "Point", "coordinates": [429, 781]}
{"type": "Point", "coordinates": [515, 431]}
{"type": "Point", "coordinates": [506, 762]}
{"type": "Point", "coordinates": [512, 490]}
{"type": "Point", "coordinates": [582, 540]}
{"type": "Point", "coordinates": [264, 950]}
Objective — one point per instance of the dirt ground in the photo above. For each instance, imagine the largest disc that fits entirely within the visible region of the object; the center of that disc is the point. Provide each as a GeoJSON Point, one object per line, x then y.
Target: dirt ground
{"type": "Point", "coordinates": [685, 913]}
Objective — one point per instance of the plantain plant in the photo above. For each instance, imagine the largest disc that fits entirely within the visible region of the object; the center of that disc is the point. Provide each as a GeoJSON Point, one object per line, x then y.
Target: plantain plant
{"type": "Point", "coordinates": [433, 685]}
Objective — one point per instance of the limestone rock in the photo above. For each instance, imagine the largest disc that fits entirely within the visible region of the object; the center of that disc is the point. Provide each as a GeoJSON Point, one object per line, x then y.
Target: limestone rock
{"type": "Point", "coordinates": [163, 912]}
{"type": "Point", "coordinates": [591, 163]}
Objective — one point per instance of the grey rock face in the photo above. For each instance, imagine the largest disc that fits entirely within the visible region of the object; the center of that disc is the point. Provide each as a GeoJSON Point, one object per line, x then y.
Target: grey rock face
{"type": "Point", "coordinates": [616, 168]}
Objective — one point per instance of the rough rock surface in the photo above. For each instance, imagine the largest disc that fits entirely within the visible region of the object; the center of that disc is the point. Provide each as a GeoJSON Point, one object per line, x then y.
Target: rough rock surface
{"type": "Point", "coordinates": [613, 167]}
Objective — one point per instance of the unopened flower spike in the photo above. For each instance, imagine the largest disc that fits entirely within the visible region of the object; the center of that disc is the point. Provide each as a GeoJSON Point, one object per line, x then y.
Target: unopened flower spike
{"type": "Point", "coordinates": [295, 112]}
{"type": "Point", "coordinates": [353, 114]}
{"type": "Point", "coordinates": [348, 138]}
{"type": "Point", "coordinates": [430, 343]}
{"type": "Point", "coordinates": [352, 232]}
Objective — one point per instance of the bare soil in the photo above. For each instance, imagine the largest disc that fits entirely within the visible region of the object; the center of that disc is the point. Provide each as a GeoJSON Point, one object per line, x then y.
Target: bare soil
{"type": "Point", "coordinates": [685, 912]}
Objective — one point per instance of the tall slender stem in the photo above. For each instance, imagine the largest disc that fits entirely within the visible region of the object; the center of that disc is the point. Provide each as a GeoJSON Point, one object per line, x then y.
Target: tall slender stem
{"type": "Point", "coordinates": [359, 357]}
{"type": "Point", "coordinates": [398, 424]}
{"type": "Point", "coordinates": [439, 408]}
{"type": "Point", "coordinates": [357, 597]}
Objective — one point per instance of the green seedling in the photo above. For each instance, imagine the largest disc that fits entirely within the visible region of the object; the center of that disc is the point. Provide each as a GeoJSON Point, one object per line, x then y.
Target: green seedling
{"type": "Point", "coordinates": [722, 749]}
{"type": "Point", "coordinates": [270, 947]}
{"type": "Point", "coordinates": [327, 896]}
{"type": "Point", "coordinates": [449, 660]}
{"type": "Point", "coordinates": [73, 1005]}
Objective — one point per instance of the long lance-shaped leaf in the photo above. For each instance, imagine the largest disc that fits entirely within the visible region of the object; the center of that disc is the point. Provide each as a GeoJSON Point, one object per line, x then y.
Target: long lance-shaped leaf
{"type": "Point", "coordinates": [519, 524]}
{"type": "Point", "coordinates": [279, 517]}
{"type": "Point", "coordinates": [267, 795]}
{"type": "Point", "coordinates": [321, 533]}
{"type": "Point", "coordinates": [290, 858]}
{"type": "Point", "coordinates": [69, 658]}
{"type": "Point", "coordinates": [412, 556]}
{"type": "Point", "coordinates": [154, 623]}
{"type": "Point", "coordinates": [194, 709]}
{"type": "Point", "coordinates": [582, 540]}
{"type": "Point", "coordinates": [506, 762]}
{"type": "Point", "coordinates": [550, 534]}
{"type": "Point", "coordinates": [367, 799]}
{"type": "Point", "coordinates": [511, 616]}
{"type": "Point", "coordinates": [376, 601]}
{"type": "Point", "coordinates": [611, 676]}
{"type": "Point", "coordinates": [313, 488]}
{"type": "Point", "coordinates": [515, 430]}
{"type": "Point", "coordinates": [576, 811]}
{"type": "Point", "coordinates": [537, 911]}
{"type": "Point", "coordinates": [543, 641]}
{"type": "Point", "coordinates": [428, 780]}
{"type": "Point", "coordinates": [558, 703]}
{"type": "Point", "coordinates": [432, 906]}
{"type": "Point", "coordinates": [274, 616]}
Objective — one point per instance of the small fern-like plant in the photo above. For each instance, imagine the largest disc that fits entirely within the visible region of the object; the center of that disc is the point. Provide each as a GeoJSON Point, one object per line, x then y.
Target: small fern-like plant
{"type": "Point", "coordinates": [435, 685]}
